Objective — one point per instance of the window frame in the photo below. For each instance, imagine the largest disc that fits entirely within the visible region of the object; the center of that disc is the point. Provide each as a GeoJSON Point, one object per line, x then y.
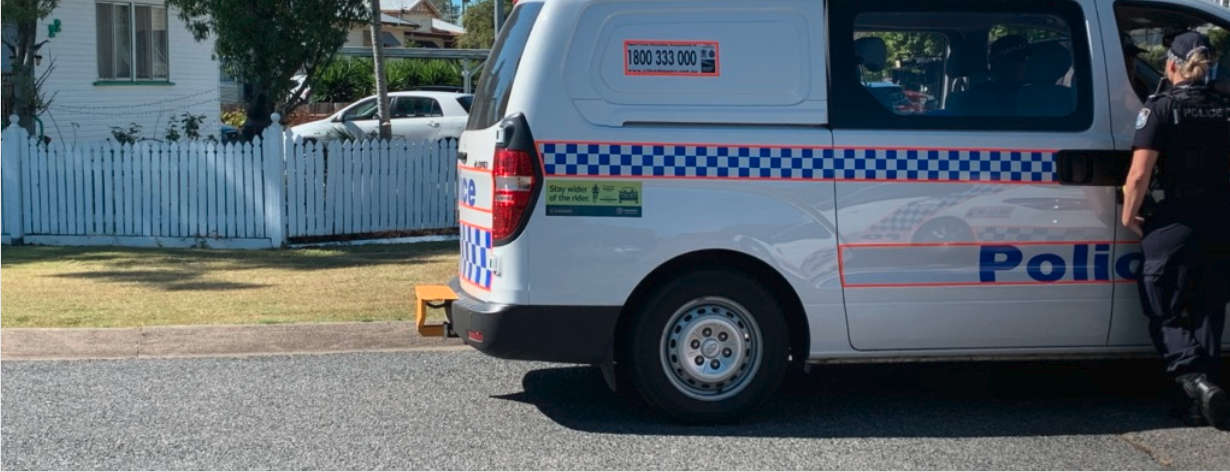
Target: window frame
{"type": "Point", "coordinates": [853, 107]}
{"type": "Point", "coordinates": [435, 106]}
{"type": "Point", "coordinates": [133, 49]}
{"type": "Point", "coordinates": [1222, 63]}
{"type": "Point", "coordinates": [350, 114]}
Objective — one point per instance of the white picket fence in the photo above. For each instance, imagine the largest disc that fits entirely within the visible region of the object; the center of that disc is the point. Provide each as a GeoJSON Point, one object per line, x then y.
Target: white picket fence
{"type": "Point", "coordinates": [253, 195]}
{"type": "Point", "coordinates": [370, 187]}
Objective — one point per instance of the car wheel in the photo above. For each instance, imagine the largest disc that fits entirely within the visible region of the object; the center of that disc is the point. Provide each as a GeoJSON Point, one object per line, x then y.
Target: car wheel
{"type": "Point", "coordinates": [709, 347]}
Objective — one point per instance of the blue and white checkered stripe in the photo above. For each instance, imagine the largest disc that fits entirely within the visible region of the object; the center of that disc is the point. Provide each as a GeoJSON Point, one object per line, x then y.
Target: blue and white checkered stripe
{"type": "Point", "coordinates": [767, 162]}
{"type": "Point", "coordinates": [475, 264]}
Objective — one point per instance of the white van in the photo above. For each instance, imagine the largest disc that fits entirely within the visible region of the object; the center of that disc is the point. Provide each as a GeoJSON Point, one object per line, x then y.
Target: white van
{"type": "Point", "coordinates": [699, 195]}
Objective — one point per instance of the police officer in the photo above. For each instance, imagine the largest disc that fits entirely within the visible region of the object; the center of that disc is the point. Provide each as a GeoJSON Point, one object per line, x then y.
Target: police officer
{"type": "Point", "coordinates": [1185, 278]}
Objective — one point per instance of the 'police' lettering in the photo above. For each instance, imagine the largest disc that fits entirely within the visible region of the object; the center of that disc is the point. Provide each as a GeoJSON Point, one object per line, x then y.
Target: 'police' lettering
{"type": "Point", "coordinates": [1054, 267]}
{"type": "Point", "coordinates": [1057, 268]}
{"type": "Point", "coordinates": [989, 261]}
{"type": "Point", "coordinates": [1205, 113]}
{"type": "Point", "coordinates": [468, 191]}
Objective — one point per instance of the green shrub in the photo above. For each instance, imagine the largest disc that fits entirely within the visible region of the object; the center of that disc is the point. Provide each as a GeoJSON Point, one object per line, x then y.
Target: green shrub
{"type": "Point", "coordinates": [348, 79]}
{"type": "Point", "coordinates": [344, 80]}
{"type": "Point", "coordinates": [407, 74]}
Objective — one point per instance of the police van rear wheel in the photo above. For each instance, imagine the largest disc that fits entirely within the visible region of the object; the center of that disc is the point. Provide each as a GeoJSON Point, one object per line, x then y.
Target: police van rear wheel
{"type": "Point", "coordinates": [709, 347]}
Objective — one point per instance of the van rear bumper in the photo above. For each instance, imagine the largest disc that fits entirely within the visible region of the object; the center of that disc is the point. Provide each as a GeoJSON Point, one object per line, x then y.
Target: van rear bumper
{"type": "Point", "coordinates": [551, 333]}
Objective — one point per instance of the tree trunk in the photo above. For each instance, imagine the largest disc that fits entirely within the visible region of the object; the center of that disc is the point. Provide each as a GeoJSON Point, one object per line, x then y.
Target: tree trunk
{"type": "Point", "coordinates": [259, 109]}
{"type": "Point", "coordinates": [25, 95]}
{"type": "Point", "coordinates": [382, 85]}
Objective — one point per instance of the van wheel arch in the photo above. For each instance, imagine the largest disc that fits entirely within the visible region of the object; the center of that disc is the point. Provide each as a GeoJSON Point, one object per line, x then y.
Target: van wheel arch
{"type": "Point", "coordinates": [799, 334]}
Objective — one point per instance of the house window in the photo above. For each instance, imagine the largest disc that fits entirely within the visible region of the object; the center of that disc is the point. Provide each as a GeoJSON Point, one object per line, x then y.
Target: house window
{"type": "Point", "coordinates": [132, 42]}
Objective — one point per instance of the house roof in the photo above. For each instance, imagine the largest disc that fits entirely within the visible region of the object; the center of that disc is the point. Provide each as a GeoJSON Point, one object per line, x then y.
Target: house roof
{"type": "Point", "coordinates": [408, 5]}
{"type": "Point", "coordinates": [393, 20]}
{"type": "Point", "coordinates": [441, 25]}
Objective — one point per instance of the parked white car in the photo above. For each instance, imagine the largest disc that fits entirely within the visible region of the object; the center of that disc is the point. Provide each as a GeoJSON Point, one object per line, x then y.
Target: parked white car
{"type": "Point", "coordinates": [415, 116]}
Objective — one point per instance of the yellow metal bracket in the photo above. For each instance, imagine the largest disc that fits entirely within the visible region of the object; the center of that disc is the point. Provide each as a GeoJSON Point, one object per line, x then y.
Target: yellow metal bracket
{"type": "Point", "coordinates": [431, 296]}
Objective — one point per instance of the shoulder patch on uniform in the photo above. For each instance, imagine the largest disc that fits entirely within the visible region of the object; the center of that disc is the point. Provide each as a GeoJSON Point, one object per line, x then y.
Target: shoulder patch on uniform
{"type": "Point", "coordinates": [1142, 119]}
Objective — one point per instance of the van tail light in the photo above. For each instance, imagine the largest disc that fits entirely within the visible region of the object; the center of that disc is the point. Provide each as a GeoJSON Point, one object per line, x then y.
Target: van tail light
{"type": "Point", "coordinates": [514, 185]}
{"type": "Point", "coordinates": [515, 171]}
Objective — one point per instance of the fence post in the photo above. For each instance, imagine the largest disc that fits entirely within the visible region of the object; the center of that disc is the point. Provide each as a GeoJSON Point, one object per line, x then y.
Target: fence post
{"type": "Point", "coordinates": [274, 154]}
{"type": "Point", "coordinates": [15, 145]}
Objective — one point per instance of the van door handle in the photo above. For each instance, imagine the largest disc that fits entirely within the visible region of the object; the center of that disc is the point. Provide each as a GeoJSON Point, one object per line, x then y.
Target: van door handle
{"type": "Point", "coordinates": [433, 124]}
{"type": "Point", "coordinates": [461, 156]}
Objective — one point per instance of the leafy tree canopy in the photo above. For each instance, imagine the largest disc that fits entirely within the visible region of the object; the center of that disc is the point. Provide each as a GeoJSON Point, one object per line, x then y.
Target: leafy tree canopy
{"type": "Point", "coordinates": [27, 10]}
{"type": "Point", "coordinates": [480, 32]}
{"type": "Point", "coordinates": [26, 100]}
{"type": "Point", "coordinates": [265, 43]}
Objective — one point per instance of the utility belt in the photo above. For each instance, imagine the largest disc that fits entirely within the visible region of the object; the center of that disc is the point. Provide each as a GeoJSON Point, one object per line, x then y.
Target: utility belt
{"type": "Point", "coordinates": [1186, 200]}
{"type": "Point", "coordinates": [1196, 197]}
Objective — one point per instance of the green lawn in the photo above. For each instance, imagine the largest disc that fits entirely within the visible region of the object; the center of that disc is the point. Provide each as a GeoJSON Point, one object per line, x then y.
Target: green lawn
{"type": "Point", "coordinates": [124, 287]}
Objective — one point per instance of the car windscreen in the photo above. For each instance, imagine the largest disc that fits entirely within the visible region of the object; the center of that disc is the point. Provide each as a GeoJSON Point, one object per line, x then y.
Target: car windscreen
{"type": "Point", "coordinates": [491, 97]}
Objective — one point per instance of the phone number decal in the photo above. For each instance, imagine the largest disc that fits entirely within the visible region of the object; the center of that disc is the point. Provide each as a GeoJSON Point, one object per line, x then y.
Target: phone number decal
{"type": "Point", "coordinates": [689, 58]}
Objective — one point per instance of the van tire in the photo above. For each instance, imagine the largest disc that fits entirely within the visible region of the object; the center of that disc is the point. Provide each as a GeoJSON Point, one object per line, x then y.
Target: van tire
{"type": "Point", "coordinates": [732, 331]}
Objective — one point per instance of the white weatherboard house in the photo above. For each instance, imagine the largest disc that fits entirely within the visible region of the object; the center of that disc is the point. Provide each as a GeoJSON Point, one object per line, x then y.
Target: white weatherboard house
{"type": "Point", "coordinates": [118, 63]}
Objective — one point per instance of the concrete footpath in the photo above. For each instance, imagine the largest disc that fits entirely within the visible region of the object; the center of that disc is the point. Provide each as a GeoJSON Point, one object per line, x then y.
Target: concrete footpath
{"type": "Point", "coordinates": [214, 341]}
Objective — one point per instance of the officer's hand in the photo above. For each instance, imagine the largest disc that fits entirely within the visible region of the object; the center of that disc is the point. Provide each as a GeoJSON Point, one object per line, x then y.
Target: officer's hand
{"type": "Point", "coordinates": [1135, 224]}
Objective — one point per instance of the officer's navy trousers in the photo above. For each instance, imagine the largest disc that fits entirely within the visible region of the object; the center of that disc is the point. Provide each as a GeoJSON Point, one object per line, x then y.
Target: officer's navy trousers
{"type": "Point", "coordinates": [1185, 282]}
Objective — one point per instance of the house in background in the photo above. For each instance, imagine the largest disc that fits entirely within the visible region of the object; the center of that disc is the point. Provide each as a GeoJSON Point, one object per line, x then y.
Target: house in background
{"type": "Point", "coordinates": [394, 32]}
{"type": "Point", "coordinates": [409, 23]}
{"type": "Point", "coordinates": [117, 63]}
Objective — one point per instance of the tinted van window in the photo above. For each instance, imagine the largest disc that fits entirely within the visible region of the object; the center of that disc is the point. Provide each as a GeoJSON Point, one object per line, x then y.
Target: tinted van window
{"type": "Point", "coordinates": [961, 64]}
{"type": "Point", "coordinates": [491, 97]}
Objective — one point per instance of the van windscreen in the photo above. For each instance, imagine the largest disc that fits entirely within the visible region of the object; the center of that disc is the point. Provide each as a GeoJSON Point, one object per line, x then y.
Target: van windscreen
{"type": "Point", "coordinates": [491, 97]}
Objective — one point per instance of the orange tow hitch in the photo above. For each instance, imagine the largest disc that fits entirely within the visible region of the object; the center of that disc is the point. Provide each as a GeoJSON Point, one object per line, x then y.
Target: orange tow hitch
{"type": "Point", "coordinates": [432, 296]}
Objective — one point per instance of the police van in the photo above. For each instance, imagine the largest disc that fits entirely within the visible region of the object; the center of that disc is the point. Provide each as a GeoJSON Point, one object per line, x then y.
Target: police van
{"type": "Point", "coordinates": [698, 195]}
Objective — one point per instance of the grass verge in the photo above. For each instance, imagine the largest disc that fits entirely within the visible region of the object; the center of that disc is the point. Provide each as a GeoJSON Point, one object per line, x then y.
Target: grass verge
{"type": "Point", "coordinates": [108, 287]}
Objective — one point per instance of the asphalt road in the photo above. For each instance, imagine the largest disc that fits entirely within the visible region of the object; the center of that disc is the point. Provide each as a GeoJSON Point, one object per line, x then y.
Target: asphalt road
{"type": "Point", "coordinates": [462, 410]}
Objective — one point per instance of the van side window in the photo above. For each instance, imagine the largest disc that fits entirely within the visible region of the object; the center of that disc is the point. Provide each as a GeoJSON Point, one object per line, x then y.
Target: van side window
{"type": "Point", "coordinates": [960, 65]}
{"type": "Point", "coordinates": [903, 70]}
{"type": "Point", "coordinates": [1145, 31]}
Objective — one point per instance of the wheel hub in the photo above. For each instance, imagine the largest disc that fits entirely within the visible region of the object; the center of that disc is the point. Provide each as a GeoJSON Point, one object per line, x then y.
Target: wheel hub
{"type": "Point", "coordinates": [711, 348]}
